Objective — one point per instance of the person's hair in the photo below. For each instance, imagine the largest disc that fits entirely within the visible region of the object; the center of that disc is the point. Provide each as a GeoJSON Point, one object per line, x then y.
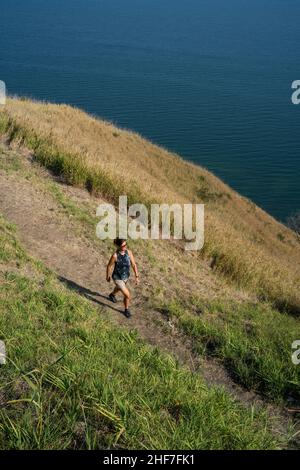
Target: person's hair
{"type": "Point", "coordinates": [119, 241]}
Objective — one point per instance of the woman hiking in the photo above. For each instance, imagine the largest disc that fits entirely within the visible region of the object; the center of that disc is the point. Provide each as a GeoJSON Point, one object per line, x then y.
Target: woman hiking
{"type": "Point", "coordinates": [118, 269]}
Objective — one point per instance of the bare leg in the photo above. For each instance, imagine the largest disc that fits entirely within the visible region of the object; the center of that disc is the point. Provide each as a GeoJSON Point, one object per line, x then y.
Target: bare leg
{"type": "Point", "coordinates": [116, 290]}
{"type": "Point", "coordinates": [126, 294]}
{"type": "Point", "coordinates": [126, 302]}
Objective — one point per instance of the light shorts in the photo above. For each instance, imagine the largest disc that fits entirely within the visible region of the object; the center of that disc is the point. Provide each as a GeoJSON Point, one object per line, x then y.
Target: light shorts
{"type": "Point", "coordinates": [120, 283]}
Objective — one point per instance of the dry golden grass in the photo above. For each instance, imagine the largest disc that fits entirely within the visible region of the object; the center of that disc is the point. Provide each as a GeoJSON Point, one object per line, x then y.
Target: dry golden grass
{"type": "Point", "coordinates": [242, 241]}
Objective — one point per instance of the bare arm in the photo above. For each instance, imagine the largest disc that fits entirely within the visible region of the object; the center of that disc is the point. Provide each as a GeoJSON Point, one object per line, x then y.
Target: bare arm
{"type": "Point", "coordinates": [110, 267]}
{"type": "Point", "coordinates": [133, 264]}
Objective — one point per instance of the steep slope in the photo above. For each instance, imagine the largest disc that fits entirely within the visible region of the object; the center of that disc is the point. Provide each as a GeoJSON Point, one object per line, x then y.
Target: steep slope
{"type": "Point", "coordinates": [57, 224]}
{"type": "Point", "coordinates": [73, 379]}
{"type": "Point", "coordinates": [70, 364]}
{"type": "Point", "coordinates": [242, 241]}
{"type": "Point", "coordinates": [182, 307]}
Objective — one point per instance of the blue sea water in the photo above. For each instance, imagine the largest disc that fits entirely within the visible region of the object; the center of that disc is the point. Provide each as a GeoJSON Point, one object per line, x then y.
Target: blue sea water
{"type": "Point", "coordinates": [208, 79]}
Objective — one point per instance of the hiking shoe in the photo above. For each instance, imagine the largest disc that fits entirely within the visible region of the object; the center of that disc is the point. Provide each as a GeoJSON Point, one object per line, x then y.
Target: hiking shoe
{"type": "Point", "coordinates": [127, 313]}
{"type": "Point", "coordinates": [112, 297]}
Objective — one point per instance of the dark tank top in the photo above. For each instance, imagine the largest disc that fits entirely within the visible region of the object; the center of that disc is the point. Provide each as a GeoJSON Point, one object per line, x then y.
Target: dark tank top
{"type": "Point", "coordinates": [122, 266]}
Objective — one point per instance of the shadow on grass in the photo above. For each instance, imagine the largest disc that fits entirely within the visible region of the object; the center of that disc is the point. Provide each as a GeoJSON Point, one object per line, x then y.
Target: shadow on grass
{"type": "Point", "coordinates": [89, 294]}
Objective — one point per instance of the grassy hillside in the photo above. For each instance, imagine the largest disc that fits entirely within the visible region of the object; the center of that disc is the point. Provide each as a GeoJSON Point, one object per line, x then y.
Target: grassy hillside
{"type": "Point", "coordinates": [242, 242]}
{"type": "Point", "coordinates": [237, 302]}
{"type": "Point", "coordinates": [75, 381]}
{"type": "Point", "coordinates": [249, 336]}
{"type": "Point", "coordinates": [253, 340]}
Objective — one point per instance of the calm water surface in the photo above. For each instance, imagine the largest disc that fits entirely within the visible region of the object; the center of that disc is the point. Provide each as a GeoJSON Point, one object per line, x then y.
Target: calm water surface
{"type": "Point", "coordinates": [210, 80]}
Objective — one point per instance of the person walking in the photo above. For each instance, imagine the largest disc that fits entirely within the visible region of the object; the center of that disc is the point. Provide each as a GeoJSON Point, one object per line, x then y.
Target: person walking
{"type": "Point", "coordinates": [118, 269]}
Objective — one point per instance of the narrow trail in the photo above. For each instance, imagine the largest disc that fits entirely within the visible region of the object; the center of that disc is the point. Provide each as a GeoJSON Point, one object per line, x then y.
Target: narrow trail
{"type": "Point", "coordinates": [51, 236]}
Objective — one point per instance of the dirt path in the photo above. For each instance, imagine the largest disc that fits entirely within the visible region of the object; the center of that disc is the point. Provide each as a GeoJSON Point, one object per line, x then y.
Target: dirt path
{"type": "Point", "coordinates": [51, 236]}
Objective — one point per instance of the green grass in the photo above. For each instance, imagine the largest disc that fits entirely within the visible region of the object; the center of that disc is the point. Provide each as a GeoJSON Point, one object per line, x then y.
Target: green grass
{"type": "Point", "coordinates": [79, 211]}
{"type": "Point", "coordinates": [9, 161]}
{"type": "Point", "coordinates": [226, 246]}
{"type": "Point", "coordinates": [72, 380]}
{"type": "Point", "coordinates": [252, 339]}
{"type": "Point", "coordinates": [69, 207]}
{"type": "Point", "coordinates": [71, 166]}
{"type": "Point", "coordinates": [205, 194]}
{"type": "Point", "coordinates": [10, 248]}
